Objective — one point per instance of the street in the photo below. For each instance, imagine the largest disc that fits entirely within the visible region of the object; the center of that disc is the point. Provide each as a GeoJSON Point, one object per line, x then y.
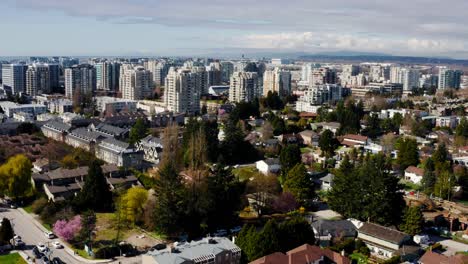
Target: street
{"type": "Point", "coordinates": [32, 233]}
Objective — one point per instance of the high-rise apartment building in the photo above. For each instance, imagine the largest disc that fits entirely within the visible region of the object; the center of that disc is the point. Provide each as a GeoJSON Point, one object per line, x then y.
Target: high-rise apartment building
{"type": "Point", "coordinates": [379, 73]}
{"type": "Point", "coordinates": [54, 76]}
{"type": "Point", "coordinates": [107, 76]}
{"type": "Point", "coordinates": [14, 77]}
{"type": "Point", "coordinates": [409, 78]}
{"type": "Point", "coordinates": [449, 78]}
{"type": "Point", "coordinates": [277, 81]}
{"type": "Point", "coordinates": [348, 72]}
{"type": "Point", "coordinates": [80, 78]}
{"type": "Point", "coordinates": [227, 69]}
{"type": "Point", "coordinates": [38, 79]}
{"type": "Point", "coordinates": [395, 74]}
{"type": "Point", "coordinates": [214, 74]}
{"type": "Point", "coordinates": [183, 90]}
{"type": "Point", "coordinates": [323, 75]}
{"type": "Point", "coordinates": [136, 83]}
{"type": "Point", "coordinates": [243, 86]}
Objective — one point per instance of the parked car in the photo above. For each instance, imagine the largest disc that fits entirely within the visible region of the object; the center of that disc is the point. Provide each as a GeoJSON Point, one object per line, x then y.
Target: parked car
{"type": "Point", "coordinates": [57, 245]}
{"type": "Point", "coordinates": [49, 235]}
{"type": "Point", "coordinates": [57, 260]}
{"type": "Point", "coordinates": [220, 233]}
{"type": "Point", "coordinates": [37, 253]}
{"type": "Point", "coordinates": [42, 248]}
{"type": "Point", "coordinates": [45, 260]}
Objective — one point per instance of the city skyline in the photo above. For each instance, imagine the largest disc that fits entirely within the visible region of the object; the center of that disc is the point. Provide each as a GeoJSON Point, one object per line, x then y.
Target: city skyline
{"type": "Point", "coordinates": [150, 28]}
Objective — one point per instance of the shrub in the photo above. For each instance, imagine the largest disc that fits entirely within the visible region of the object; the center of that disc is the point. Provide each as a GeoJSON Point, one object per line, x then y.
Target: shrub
{"type": "Point", "coordinates": [39, 205]}
{"type": "Point", "coordinates": [107, 252]}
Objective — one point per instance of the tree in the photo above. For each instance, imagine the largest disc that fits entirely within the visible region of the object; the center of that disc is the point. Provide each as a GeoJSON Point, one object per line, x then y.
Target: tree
{"type": "Point", "coordinates": [267, 240]}
{"type": "Point", "coordinates": [299, 184]}
{"type": "Point", "coordinates": [88, 224]}
{"type": "Point", "coordinates": [133, 204]}
{"type": "Point", "coordinates": [95, 194]}
{"type": "Point", "coordinates": [462, 128]}
{"type": "Point", "coordinates": [429, 178]}
{"type": "Point", "coordinates": [68, 230]}
{"type": "Point", "coordinates": [234, 149]}
{"type": "Point", "coordinates": [289, 157]}
{"type": "Point", "coordinates": [412, 221]}
{"type": "Point", "coordinates": [6, 231]}
{"type": "Point", "coordinates": [247, 240]}
{"type": "Point", "coordinates": [285, 203]}
{"type": "Point", "coordinates": [444, 184]}
{"type": "Point", "coordinates": [440, 155]}
{"type": "Point", "coordinates": [272, 101]}
{"type": "Point", "coordinates": [15, 177]}
{"type": "Point", "coordinates": [366, 191]}
{"type": "Point", "coordinates": [407, 153]}
{"type": "Point", "coordinates": [267, 130]}
{"type": "Point", "coordinates": [138, 131]}
{"type": "Point", "coordinates": [328, 143]}
{"type": "Point", "coordinates": [294, 233]}
{"type": "Point", "coordinates": [27, 128]}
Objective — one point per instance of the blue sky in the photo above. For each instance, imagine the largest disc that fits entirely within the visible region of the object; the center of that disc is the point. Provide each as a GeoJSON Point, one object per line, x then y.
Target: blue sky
{"type": "Point", "coordinates": [184, 27]}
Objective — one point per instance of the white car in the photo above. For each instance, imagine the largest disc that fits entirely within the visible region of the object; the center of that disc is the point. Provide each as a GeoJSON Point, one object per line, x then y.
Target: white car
{"type": "Point", "coordinates": [42, 248]}
{"type": "Point", "coordinates": [49, 235]}
{"type": "Point", "coordinates": [57, 245]}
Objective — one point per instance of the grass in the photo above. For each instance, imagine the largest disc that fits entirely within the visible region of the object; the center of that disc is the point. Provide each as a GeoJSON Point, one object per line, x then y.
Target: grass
{"type": "Point", "coordinates": [13, 258]}
{"type": "Point", "coordinates": [306, 150]}
{"type": "Point", "coordinates": [410, 186]}
{"type": "Point", "coordinates": [28, 209]}
{"type": "Point", "coordinates": [359, 258]}
{"type": "Point", "coordinates": [245, 173]}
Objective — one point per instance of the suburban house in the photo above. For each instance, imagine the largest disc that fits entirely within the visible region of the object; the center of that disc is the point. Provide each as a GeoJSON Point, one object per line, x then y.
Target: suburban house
{"type": "Point", "coordinates": [268, 166]}
{"type": "Point", "coordinates": [414, 174]}
{"type": "Point", "coordinates": [213, 250]}
{"type": "Point", "coordinates": [109, 130]}
{"type": "Point", "coordinates": [310, 138]}
{"type": "Point", "coordinates": [305, 254]}
{"type": "Point", "coordinates": [385, 242]}
{"type": "Point", "coordinates": [56, 130]}
{"type": "Point", "coordinates": [326, 230]}
{"type": "Point", "coordinates": [352, 140]}
{"type": "Point", "coordinates": [152, 148]}
{"type": "Point", "coordinates": [447, 121]}
{"type": "Point", "coordinates": [62, 183]}
{"type": "Point", "coordinates": [119, 153]}
{"type": "Point", "coordinates": [82, 138]}
{"type": "Point", "coordinates": [326, 182]}
{"type": "Point", "coordinates": [332, 126]}
{"type": "Point", "coordinates": [435, 258]}
{"type": "Point", "coordinates": [290, 139]}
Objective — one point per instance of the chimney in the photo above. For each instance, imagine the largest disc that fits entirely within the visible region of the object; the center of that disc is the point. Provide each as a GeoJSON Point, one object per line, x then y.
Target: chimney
{"type": "Point", "coordinates": [343, 253]}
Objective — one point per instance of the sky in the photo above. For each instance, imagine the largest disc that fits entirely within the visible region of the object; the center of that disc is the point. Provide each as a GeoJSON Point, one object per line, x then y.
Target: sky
{"type": "Point", "coordinates": [436, 28]}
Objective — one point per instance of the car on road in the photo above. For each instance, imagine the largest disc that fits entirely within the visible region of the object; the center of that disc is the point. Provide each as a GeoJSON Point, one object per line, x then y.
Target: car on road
{"type": "Point", "coordinates": [57, 245]}
{"type": "Point", "coordinates": [45, 260]}
{"type": "Point", "coordinates": [57, 260]}
{"type": "Point", "coordinates": [42, 248]}
{"type": "Point", "coordinates": [49, 235]}
{"type": "Point", "coordinates": [235, 230]}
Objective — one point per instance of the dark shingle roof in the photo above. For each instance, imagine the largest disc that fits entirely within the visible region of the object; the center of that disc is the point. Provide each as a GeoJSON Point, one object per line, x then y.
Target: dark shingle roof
{"type": "Point", "coordinates": [57, 125]}
{"type": "Point", "coordinates": [382, 232]}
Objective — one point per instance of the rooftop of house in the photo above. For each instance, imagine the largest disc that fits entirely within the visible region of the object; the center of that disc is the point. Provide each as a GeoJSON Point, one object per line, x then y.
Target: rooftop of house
{"type": "Point", "coordinates": [434, 258]}
{"type": "Point", "coordinates": [57, 125]}
{"type": "Point", "coordinates": [85, 134]}
{"type": "Point", "coordinates": [308, 133]}
{"type": "Point", "coordinates": [195, 250]}
{"type": "Point", "coordinates": [303, 254]}
{"type": "Point", "coordinates": [415, 170]}
{"type": "Point", "coordinates": [328, 178]}
{"type": "Point", "coordinates": [109, 129]}
{"type": "Point", "coordinates": [151, 140]}
{"type": "Point", "coordinates": [382, 232]}
{"type": "Point", "coordinates": [115, 144]}
{"type": "Point", "coordinates": [325, 227]}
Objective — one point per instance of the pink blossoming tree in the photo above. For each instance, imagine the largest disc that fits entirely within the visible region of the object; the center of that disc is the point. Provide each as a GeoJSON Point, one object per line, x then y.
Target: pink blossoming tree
{"type": "Point", "coordinates": [67, 230]}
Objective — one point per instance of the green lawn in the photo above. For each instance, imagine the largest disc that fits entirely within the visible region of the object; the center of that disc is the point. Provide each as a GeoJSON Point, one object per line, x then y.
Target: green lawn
{"type": "Point", "coordinates": [13, 258]}
{"type": "Point", "coordinates": [360, 258]}
{"type": "Point", "coordinates": [306, 150]}
{"type": "Point", "coordinates": [28, 209]}
{"type": "Point", "coordinates": [245, 173]}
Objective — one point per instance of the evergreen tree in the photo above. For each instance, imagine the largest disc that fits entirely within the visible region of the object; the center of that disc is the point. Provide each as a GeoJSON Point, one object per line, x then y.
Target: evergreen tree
{"type": "Point", "coordinates": [462, 128]}
{"type": "Point", "coordinates": [440, 155]}
{"type": "Point", "coordinates": [95, 194]}
{"type": "Point", "coordinates": [267, 240]}
{"type": "Point", "coordinates": [412, 221]}
{"type": "Point", "coordinates": [408, 154]}
{"type": "Point", "coordinates": [6, 231]}
{"type": "Point", "coordinates": [328, 143]}
{"type": "Point", "coordinates": [247, 241]}
{"type": "Point", "coordinates": [294, 233]}
{"type": "Point", "coordinates": [235, 149]}
{"type": "Point", "coordinates": [429, 178]}
{"type": "Point", "coordinates": [289, 157]}
{"type": "Point", "coordinates": [138, 131]}
{"type": "Point", "coordinates": [299, 184]}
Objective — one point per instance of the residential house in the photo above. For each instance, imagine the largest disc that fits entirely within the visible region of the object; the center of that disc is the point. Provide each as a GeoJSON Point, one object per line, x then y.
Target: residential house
{"type": "Point", "coordinates": [290, 139]}
{"type": "Point", "coordinates": [353, 140]}
{"type": "Point", "coordinates": [447, 121]}
{"type": "Point", "coordinates": [332, 126]}
{"type": "Point", "coordinates": [152, 148]}
{"type": "Point", "coordinates": [310, 138]}
{"type": "Point", "coordinates": [215, 250]}
{"type": "Point", "coordinates": [56, 130]}
{"type": "Point", "coordinates": [83, 138]}
{"type": "Point", "coordinates": [385, 242]}
{"type": "Point", "coordinates": [119, 153]}
{"type": "Point", "coordinates": [414, 174]}
{"type": "Point", "coordinates": [268, 166]}
{"type": "Point", "coordinates": [435, 258]}
{"type": "Point", "coordinates": [326, 182]}
{"type": "Point", "coordinates": [271, 143]}
{"type": "Point", "coordinates": [326, 230]}
{"type": "Point", "coordinates": [305, 254]}
{"type": "Point", "coordinates": [109, 130]}
{"type": "Point", "coordinates": [44, 165]}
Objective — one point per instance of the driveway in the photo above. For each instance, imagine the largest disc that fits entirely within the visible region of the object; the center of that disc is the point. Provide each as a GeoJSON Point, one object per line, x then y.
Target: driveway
{"type": "Point", "coordinates": [452, 246]}
{"type": "Point", "coordinates": [32, 233]}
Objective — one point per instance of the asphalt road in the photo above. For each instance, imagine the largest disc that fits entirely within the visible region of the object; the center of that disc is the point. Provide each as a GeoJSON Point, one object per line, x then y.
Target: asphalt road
{"type": "Point", "coordinates": [32, 233]}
